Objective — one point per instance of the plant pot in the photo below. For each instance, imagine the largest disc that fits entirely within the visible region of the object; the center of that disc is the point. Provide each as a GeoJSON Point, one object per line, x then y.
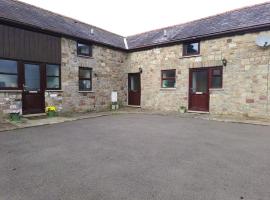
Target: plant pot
{"type": "Point", "coordinates": [182, 111]}
{"type": "Point", "coordinates": [113, 107]}
{"type": "Point", "coordinates": [15, 117]}
{"type": "Point", "coordinates": [51, 114]}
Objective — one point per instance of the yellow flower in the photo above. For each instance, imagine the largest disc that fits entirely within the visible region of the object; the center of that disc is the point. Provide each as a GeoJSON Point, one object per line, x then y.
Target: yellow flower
{"type": "Point", "coordinates": [51, 109]}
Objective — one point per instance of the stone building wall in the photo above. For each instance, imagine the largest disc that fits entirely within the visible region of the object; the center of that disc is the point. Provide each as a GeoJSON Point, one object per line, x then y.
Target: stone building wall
{"type": "Point", "coordinates": [245, 78]}
{"type": "Point", "coordinates": [10, 101]}
{"type": "Point", "coordinates": [107, 76]}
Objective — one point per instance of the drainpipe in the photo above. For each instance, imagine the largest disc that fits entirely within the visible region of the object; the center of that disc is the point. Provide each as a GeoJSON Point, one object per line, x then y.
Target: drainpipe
{"type": "Point", "coordinates": [268, 95]}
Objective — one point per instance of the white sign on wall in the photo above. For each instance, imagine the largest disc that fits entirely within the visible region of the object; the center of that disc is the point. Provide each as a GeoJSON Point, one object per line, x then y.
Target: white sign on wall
{"type": "Point", "coordinates": [114, 96]}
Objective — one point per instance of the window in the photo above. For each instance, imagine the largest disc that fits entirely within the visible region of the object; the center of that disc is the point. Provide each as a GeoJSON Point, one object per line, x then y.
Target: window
{"type": "Point", "coordinates": [192, 48]}
{"type": "Point", "coordinates": [8, 74]}
{"type": "Point", "coordinates": [84, 49]}
{"type": "Point", "coordinates": [216, 77]}
{"type": "Point", "coordinates": [168, 78]}
{"type": "Point", "coordinates": [85, 79]}
{"type": "Point", "coordinates": [53, 77]}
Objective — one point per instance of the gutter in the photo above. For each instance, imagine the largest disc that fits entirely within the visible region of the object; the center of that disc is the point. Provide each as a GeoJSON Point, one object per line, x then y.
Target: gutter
{"type": "Point", "coordinates": [127, 49]}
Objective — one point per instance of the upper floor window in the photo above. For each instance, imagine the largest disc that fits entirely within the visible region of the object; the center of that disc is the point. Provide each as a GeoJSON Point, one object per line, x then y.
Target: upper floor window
{"type": "Point", "coordinates": [191, 48]}
{"type": "Point", "coordinates": [84, 49]}
{"type": "Point", "coordinates": [8, 74]}
{"type": "Point", "coordinates": [168, 78]}
{"type": "Point", "coordinates": [85, 79]}
{"type": "Point", "coordinates": [53, 77]}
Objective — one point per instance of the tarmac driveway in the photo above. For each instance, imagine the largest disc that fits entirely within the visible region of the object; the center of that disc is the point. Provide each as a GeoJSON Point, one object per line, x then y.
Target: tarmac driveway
{"type": "Point", "coordinates": [136, 157]}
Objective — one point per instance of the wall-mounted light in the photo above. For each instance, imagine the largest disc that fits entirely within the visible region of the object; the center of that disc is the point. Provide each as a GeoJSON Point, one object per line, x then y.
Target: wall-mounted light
{"type": "Point", "coordinates": [224, 62]}
{"type": "Point", "coordinates": [140, 70]}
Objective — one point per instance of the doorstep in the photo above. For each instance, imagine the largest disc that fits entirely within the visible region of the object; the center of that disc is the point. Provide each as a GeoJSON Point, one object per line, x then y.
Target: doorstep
{"type": "Point", "coordinates": [199, 112]}
{"type": "Point", "coordinates": [34, 115]}
{"type": "Point", "coordinates": [133, 106]}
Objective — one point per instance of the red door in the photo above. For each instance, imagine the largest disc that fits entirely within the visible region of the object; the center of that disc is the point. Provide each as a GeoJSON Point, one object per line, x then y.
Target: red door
{"type": "Point", "coordinates": [134, 89]}
{"type": "Point", "coordinates": [199, 90]}
{"type": "Point", "coordinates": [33, 100]}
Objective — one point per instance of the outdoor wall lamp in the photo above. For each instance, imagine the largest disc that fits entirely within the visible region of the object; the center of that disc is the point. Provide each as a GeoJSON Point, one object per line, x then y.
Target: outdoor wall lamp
{"type": "Point", "coordinates": [140, 70]}
{"type": "Point", "coordinates": [224, 62]}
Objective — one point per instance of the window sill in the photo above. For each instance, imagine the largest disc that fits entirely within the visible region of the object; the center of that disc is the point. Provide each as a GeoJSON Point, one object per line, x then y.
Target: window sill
{"type": "Point", "coordinates": [54, 91]}
{"type": "Point", "coordinates": [86, 91]}
{"type": "Point", "coordinates": [168, 89]}
{"type": "Point", "coordinates": [216, 89]}
{"type": "Point", "coordinates": [10, 91]}
{"type": "Point", "coordinates": [190, 56]}
{"type": "Point", "coordinates": [82, 56]}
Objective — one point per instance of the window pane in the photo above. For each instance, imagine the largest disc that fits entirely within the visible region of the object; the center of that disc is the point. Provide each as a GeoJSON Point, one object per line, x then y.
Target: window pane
{"type": "Point", "coordinates": [216, 82]}
{"type": "Point", "coordinates": [53, 82]}
{"type": "Point", "coordinates": [83, 49]}
{"type": "Point", "coordinates": [52, 70]}
{"type": "Point", "coordinates": [85, 73]}
{"type": "Point", "coordinates": [8, 81]}
{"type": "Point", "coordinates": [134, 83]}
{"type": "Point", "coordinates": [85, 85]}
{"type": "Point", "coordinates": [192, 48]}
{"type": "Point", "coordinates": [8, 66]}
{"type": "Point", "coordinates": [168, 74]}
{"type": "Point", "coordinates": [32, 77]}
{"type": "Point", "coordinates": [199, 81]}
{"type": "Point", "coordinates": [216, 72]}
{"type": "Point", "coordinates": [168, 83]}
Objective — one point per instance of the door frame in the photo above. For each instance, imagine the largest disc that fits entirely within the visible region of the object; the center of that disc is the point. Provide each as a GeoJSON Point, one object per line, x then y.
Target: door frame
{"type": "Point", "coordinates": [129, 74]}
{"type": "Point", "coordinates": [42, 68]}
{"type": "Point", "coordinates": [208, 88]}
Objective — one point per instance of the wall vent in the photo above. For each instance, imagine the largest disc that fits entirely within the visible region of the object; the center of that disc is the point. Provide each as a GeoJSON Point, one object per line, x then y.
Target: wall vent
{"type": "Point", "coordinates": [92, 31]}
{"type": "Point", "coordinates": [165, 33]}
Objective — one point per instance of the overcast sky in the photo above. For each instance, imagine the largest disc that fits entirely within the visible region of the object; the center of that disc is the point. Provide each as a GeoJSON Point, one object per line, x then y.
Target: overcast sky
{"type": "Point", "coordinates": [128, 17]}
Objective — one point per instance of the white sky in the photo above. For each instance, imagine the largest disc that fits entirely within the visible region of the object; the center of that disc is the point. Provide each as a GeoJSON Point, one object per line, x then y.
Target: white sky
{"type": "Point", "coordinates": [127, 17]}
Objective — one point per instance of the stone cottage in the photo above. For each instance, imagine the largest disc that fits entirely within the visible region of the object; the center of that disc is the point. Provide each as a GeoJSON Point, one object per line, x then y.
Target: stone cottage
{"type": "Point", "coordinates": [218, 64]}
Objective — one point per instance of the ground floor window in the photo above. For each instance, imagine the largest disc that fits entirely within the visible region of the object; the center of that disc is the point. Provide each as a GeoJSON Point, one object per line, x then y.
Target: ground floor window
{"type": "Point", "coordinates": [216, 77]}
{"type": "Point", "coordinates": [8, 74]}
{"type": "Point", "coordinates": [53, 78]}
{"type": "Point", "coordinates": [85, 79]}
{"type": "Point", "coordinates": [168, 78]}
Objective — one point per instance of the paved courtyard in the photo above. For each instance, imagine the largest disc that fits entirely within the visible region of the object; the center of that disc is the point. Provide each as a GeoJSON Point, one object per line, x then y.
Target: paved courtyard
{"type": "Point", "coordinates": [136, 157]}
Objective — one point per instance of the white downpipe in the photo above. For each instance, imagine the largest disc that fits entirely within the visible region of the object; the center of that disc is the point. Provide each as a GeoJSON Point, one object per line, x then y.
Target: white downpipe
{"type": "Point", "coordinates": [268, 88]}
{"type": "Point", "coordinates": [126, 44]}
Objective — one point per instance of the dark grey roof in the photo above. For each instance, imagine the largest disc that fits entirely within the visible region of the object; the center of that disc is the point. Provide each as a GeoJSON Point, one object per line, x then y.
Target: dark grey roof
{"type": "Point", "coordinates": [40, 18]}
{"type": "Point", "coordinates": [248, 17]}
{"type": "Point", "coordinates": [232, 21]}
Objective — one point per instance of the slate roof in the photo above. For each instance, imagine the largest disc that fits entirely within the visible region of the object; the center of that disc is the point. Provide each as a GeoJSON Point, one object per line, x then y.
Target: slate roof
{"type": "Point", "coordinates": [43, 19]}
{"type": "Point", "coordinates": [244, 18]}
{"type": "Point", "coordinates": [241, 19]}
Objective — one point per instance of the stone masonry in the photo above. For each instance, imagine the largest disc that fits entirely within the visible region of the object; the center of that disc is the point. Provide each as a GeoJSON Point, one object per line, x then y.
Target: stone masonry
{"type": "Point", "coordinates": [245, 89]}
{"type": "Point", "coordinates": [107, 76]}
{"type": "Point", "coordinates": [10, 101]}
{"type": "Point", "coordinates": [245, 78]}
